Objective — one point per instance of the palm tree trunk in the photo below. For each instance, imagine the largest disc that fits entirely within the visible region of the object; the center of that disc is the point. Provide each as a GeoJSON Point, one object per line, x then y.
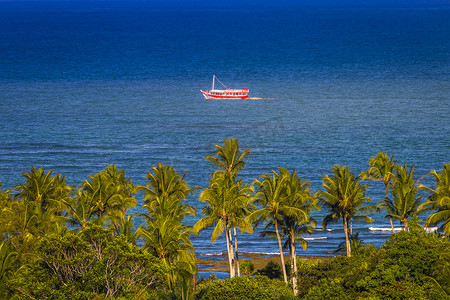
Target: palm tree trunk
{"type": "Point", "coordinates": [390, 219]}
{"type": "Point", "coordinates": [293, 263]}
{"type": "Point", "coordinates": [283, 267]}
{"type": "Point", "coordinates": [347, 240]}
{"type": "Point", "coordinates": [230, 253]}
{"type": "Point", "coordinates": [228, 250]}
{"type": "Point", "coordinates": [233, 261]}
{"type": "Point", "coordinates": [233, 258]}
{"type": "Point", "coordinates": [392, 225]}
{"type": "Point", "coordinates": [405, 222]}
{"type": "Point", "coordinates": [351, 226]}
{"type": "Point", "coordinates": [236, 253]}
{"type": "Point", "coordinates": [291, 255]}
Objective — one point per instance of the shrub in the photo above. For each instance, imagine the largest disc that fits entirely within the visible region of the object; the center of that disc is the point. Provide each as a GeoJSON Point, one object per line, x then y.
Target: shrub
{"type": "Point", "coordinates": [247, 267]}
{"type": "Point", "coordinates": [410, 265]}
{"type": "Point", "coordinates": [258, 287]}
{"type": "Point", "coordinates": [328, 289]}
{"type": "Point", "coordinates": [98, 264]}
{"type": "Point", "coordinates": [271, 270]}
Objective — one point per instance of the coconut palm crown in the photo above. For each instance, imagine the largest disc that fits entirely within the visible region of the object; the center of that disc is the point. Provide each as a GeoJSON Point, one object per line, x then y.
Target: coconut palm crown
{"type": "Point", "coordinates": [405, 201]}
{"type": "Point", "coordinates": [229, 157]}
{"type": "Point", "coordinates": [344, 197]}
{"type": "Point", "coordinates": [439, 200]}
{"type": "Point", "coordinates": [382, 168]}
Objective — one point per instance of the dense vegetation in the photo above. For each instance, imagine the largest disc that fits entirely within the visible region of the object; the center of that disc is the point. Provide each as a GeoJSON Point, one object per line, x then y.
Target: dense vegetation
{"type": "Point", "coordinates": [60, 241]}
{"type": "Point", "coordinates": [410, 265]}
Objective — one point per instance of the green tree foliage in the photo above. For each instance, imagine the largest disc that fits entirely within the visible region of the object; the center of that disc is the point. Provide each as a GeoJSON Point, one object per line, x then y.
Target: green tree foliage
{"type": "Point", "coordinates": [106, 194]}
{"type": "Point", "coordinates": [7, 267]}
{"type": "Point", "coordinates": [382, 168]}
{"type": "Point", "coordinates": [36, 209]}
{"type": "Point", "coordinates": [124, 226]}
{"type": "Point", "coordinates": [165, 192]}
{"type": "Point", "coordinates": [59, 242]}
{"type": "Point", "coordinates": [408, 266]}
{"type": "Point", "coordinates": [298, 222]}
{"type": "Point", "coordinates": [247, 267]}
{"type": "Point", "coordinates": [164, 233]}
{"type": "Point", "coordinates": [344, 197]}
{"type": "Point", "coordinates": [92, 264]}
{"type": "Point", "coordinates": [104, 198]}
{"type": "Point", "coordinates": [228, 200]}
{"type": "Point", "coordinates": [272, 270]}
{"type": "Point", "coordinates": [6, 214]}
{"type": "Point", "coordinates": [356, 244]}
{"type": "Point", "coordinates": [270, 195]}
{"type": "Point", "coordinates": [439, 200]}
{"type": "Point", "coordinates": [82, 210]}
{"type": "Point", "coordinates": [405, 201]}
{"type": "Point", "coordinates": [294, 204]}
{"type": "Point", "coordinates": [259, 287]}
{"type": "Point", "coordinates": [44, 189]}
{"type": "Point", "coordinates": [229, 157]}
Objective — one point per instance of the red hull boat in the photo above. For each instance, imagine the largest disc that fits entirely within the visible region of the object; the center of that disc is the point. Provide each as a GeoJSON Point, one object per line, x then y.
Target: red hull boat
{"type": "Point", "coordinates": [226, 93]}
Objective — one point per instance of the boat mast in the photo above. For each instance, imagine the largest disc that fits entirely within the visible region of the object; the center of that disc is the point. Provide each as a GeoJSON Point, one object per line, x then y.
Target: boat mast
{"type": "Point", "coordinates": [214, 77]}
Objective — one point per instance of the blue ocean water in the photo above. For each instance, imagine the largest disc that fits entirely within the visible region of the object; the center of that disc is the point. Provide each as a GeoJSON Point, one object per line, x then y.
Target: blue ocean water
{"type": "Point", "coordinates": [87, 84]}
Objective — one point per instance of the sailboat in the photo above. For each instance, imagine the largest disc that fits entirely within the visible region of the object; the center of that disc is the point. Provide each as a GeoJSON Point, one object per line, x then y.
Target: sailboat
{"type": "Point", "coordinates": [227, 93]}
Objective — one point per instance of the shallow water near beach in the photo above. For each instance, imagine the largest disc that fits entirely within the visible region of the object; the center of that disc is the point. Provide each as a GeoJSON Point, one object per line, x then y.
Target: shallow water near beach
{"type": "Point", "coordinates": [88, 84]}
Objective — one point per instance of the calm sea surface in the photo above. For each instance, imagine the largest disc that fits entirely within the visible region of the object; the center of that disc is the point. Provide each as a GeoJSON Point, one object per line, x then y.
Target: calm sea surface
{"type": "Point", "coordinates": [87, 84]}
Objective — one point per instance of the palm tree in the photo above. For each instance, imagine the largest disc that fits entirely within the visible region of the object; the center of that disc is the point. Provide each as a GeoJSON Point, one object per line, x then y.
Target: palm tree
{"type": "Point", "coordinates": [405, 201]}
{"type": "Point", "coordinates": [6, 214]}
{"type": "Point", "coordinates": [165, 191]}
{"type": "Point", "coordinates": [44, 188]}
{"type": "Point", "coordinates": [227, 203]}
{"type": "Point", "coordinates": [7, 259]}
{"type": "Point", "coordinates": [270, 195]}
{"type": "Point", "coordinates": [382, 168]}
{"type": "Point", "coordinates": [298, 222]}
{"type": "Point", "coordinates": [40, 203]}
{"type": "Point", "coordinates": [82, 209]}
{"type": "Point", "coordinates": [164, 234]}
{"type": "Point", "coordinates": [107, 194]}
{"type": "Point", "coordinates": [356, 243]}
{"type": "Point", "coordinates": [439, 200]}
{"type": "Point", "coordinates": [239, 209]}
{"type": "Point", "coordinates": [229, 157]}
{"type": "Point", "coordinates": [123, 189]}
{"type": "Point", "coordinates": [123, 226]}
{"type": "Point", "coordinates": [168, 239]}
{"type": "Point", "coordinates": [344, 197]}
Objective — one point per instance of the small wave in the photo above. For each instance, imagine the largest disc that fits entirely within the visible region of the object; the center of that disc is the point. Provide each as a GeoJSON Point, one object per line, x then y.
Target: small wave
{"type": "Point", "coordinates": [327, 229]}
{"type": "Point", "coordinates": [214, 254]}
{"type": "Point", "coordinates": [397, 229]}
{"type": "Point", "coordinates": [317, 238]}
{"type": "Point", "coordinates": [262, 253]}
{"type": "Point", "coordinates": [384, 228]}
{"type": "Point", "coordinates": [431, 229]}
